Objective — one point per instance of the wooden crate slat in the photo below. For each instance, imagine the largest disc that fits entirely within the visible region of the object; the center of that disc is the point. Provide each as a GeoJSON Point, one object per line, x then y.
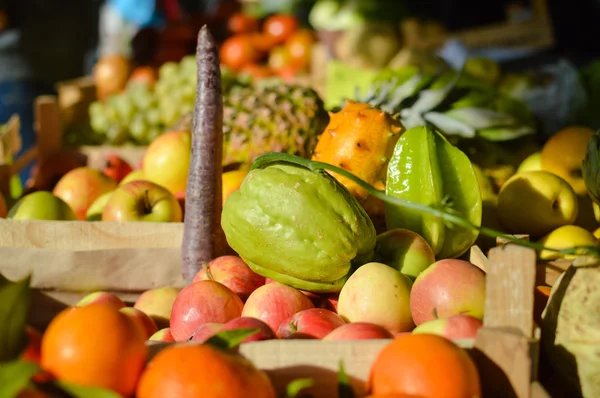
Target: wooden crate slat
{"type": "Point", "coordinates": [84, 235]}
{"type": "Point", "coordinates": [126, 270]}
{"type": "Point", "coordinates": [510, 285]}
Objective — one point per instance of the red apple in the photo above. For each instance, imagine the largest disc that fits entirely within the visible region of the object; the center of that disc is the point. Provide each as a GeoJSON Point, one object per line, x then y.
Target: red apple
{"type": "Point", "coordinates": [232, 272]}
{"type": "Point", "coordinates": [448, 287]}
{"type": "Point", "coordinates": [268, 280]}
{"type": "Point", "coordinates": [116, 168]}
{"type": "Point", "coordinates": [202, 302]}
{"type": "Point", "coordinates": [157, 304]}
{"type": "Point", "coordinates": [180, 196]}
{"type": "Point", "coordinates": [3, 206]}
{"type": "Point", "coordinates": [266, 333]}
{"type": "Point", "coordinates": [167, 160]}
{"type": "Point", "coordinates": [379, 294]}
{"type": "Point", "coordinates": [80, 187]}
{"type": "Point", "coordinates": [142, 201]}
{"type": "Point", "coordinates": [101, 297]}
{"type": "Point", "coordinates": [315, 322]}
{"type": "Point", "coordinates": [404, 250]}
{"type": "Point", "coordinates": [359, 331]}
{"type": "Point", "coordinates": [274, 303]}
{"type": "Point", "coordinates": [327, 301]}
{"type": "Point", "coordinates": [455, 327]}
{"type": "Point", "coordinates": [143, 320]}
{"type": "Point", "coordinates": [162, 335]}
{"type": "Point", "coordinates": [206, 331]}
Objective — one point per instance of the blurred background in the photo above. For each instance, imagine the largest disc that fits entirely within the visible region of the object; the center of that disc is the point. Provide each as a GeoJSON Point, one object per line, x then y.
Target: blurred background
{"type": "Point", "coordinates": [123, 71]}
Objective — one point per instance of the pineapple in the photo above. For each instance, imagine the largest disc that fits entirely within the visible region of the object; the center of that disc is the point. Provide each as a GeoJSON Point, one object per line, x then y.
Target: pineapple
{"type": "Point", "coordinates": [361, 140]}
{"type": "Point", "coordinates": [456, 103]}
{"type": "Point", "coordinates": [258, 119]}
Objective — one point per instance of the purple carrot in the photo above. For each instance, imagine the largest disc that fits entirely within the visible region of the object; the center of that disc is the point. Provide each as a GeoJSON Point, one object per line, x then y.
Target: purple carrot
{"type": "Point", "coordinates": [203, 237]}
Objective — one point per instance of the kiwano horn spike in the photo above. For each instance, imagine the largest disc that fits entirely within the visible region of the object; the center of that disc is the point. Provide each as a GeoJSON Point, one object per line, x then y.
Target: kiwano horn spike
{"type": "Point", "coordinates": [203, 237]}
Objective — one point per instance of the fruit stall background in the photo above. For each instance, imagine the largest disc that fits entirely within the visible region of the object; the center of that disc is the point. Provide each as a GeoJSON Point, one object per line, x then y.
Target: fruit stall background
{"type": "Point", "coordinates": [433, 166]}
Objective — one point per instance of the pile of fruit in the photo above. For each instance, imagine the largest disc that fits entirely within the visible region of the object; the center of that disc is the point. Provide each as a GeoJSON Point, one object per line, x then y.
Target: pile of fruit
{"type": "Point", "coordinates": [228, 304]}
{"type": "Point", "coordinates": [277, 48]}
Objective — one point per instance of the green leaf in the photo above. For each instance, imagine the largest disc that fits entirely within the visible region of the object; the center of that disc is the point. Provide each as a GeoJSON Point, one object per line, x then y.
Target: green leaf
{"type": "Point", "coordinates": [450, 126]}
{"type": "Point", "coordinates": [499, 134]}
{"type": "Point", "coordinates": [230, 339]}
{"type": "Point", "coordinates": [344, 387]}
{"type": "Point", "coordinates": [15, 301]}
{"type": "Point", "coordinates": [15, 376]}
{"type": "Point", "coordinates": [296, 386]}
{"type": "Point", "coordinates": [480, 118]}
{"type": "Point", "coordinates": [77, 391]}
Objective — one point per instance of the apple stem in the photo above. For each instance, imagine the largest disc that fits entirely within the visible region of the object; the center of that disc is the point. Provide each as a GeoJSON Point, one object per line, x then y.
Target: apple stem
{"type": "Point", "coordinates": [147, 206]}
{"type": "Point", "coordinates": [441, 210]}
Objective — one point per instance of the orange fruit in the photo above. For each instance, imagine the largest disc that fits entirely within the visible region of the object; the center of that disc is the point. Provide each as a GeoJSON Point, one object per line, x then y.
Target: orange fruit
{"type": "Point", "coordinates": [563, 153]}
{"type": "Point", "coordinates": [238, 51]}
{"type": "Point", "coordinates": [424, 365]}
{"type": "Point", "coordinates": [192, 371]}
{"type": "Point", "coordinates": [95, 345]}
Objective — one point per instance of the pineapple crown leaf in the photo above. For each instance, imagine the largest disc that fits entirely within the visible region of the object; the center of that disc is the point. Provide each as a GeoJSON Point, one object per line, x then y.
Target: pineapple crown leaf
{"type": "Point", "coordinates": [436, 210]}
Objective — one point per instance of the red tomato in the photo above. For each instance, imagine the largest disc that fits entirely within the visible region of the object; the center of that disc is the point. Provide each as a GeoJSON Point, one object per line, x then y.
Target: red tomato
{"type": "Point", "coordinates": [280, 27]}
{"type": "Point", "coordinates": [287, 73]}
{"type": "Point", "coordinates": [242, 23]}
{"type": "Point", "coordinates": [263, 42]}
{"type": "Point", "coordinates": [300, 48]}
{"type": "Point", "coordinates": [238, 51]}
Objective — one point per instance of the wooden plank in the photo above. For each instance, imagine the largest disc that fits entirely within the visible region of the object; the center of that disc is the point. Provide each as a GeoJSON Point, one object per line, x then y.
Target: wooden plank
{"type": "Point", "coordinates": [549, 271]}
{"type": "Point", "coordinates": [48, 125]}
{"type": "Point", "coordinates": [478, 258]}
{"type": "Point", "coordinates": [538, 391]}
{"type": "Point", "coordinates": [510, 285]}
{"type": "Point", "coordinates": [86, 235]}
{"type": "Point", "coordinates": [127, 270]}
{"type": "Point", "coordinates": [504, 361]}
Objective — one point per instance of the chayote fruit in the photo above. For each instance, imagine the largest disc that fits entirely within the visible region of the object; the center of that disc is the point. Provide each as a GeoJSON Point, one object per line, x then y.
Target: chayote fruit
{"type": "Point", "coordinates": [427, 169]}
{"type": "Point", "coordinates": [298, 227]}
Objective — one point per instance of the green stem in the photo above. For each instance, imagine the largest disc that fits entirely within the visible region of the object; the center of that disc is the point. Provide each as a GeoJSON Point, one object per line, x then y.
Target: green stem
{"type": "Point", "coordinates": [316, 166]}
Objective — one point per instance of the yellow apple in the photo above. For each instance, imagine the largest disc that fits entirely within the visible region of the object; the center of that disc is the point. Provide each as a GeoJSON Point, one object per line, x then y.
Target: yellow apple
{"type": "Point", "coordinates": [535, 203]}
{"type": "Point", "coordinates": [135, 175]}
{"type": "Point", "coordinates": [232, 180]}
{"type": "Point", "coordinates": [532, 162]}
{"type": "Point", "coordinates": [563, 154]}
{"type": "Point", "coordinates": [597, 233]}
{"type": "Point", "coordinates": [596, 209]}
{"type": "Point", "coordinates": [167, 160]}
{"type": "Point", "coordinates": [565, 237]}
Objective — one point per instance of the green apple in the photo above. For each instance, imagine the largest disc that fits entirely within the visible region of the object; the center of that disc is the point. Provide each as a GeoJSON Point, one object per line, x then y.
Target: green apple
{"type": "Point", "coordinates": [404, 250]}
{"type": "Point", "coordinates": [532, 162]}
{"type": "Point", "coordinates": [135, 175]}
{"type": "Point", "coordinates": [535, 203]}
{"type": "Point", "coordinates": [379, 294]}
{"type": "Point", "coordinates": [41, 205]}
{"type": "Point", "coordinates": [167, 160]}
{"type": "Point", "coordinates": [80, 187]}
{"type": "Point", "coordinates": [94, 212]}
{"type": "Point", "coordinates": [142, 201]}
{"type": "Point", "coordinates": [565, 237]}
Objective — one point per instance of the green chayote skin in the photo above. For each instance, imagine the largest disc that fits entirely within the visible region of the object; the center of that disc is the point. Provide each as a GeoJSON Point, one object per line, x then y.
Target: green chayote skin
{"type": "Point", "coordinates": [298, 227]}
{"type": "Point", "coordinates": [425, 168]}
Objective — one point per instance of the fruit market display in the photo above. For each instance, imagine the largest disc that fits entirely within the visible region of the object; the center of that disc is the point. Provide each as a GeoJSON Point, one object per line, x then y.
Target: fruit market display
{"type": "Point", "coordinates": [351, 225]}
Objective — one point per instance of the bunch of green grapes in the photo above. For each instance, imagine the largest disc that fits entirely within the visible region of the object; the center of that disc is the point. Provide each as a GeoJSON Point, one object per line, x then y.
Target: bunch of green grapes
{"type": "Point", "coordinates": [140, 114]}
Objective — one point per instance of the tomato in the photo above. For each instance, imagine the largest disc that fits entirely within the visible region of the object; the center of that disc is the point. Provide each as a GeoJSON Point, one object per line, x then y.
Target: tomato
{"type": "Point", "coordinates": [279, 58]}
{"type": "Point", "coordinates": [287, 73]}
{"type": "Point", "coordinates": [257, 71]}
{"type": "Point", "coordinates": [143, 75]}
{"type": "Point", "coordinates": [280, 27]}
{"type": "Point", "coordinates": [263, 42]}
{"type": "Point", "coordinates": [242, 23]}
{"type": "Point", "coordinates": [300, 48]}
{"type": "Point", "coordinates": [238, 51]}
